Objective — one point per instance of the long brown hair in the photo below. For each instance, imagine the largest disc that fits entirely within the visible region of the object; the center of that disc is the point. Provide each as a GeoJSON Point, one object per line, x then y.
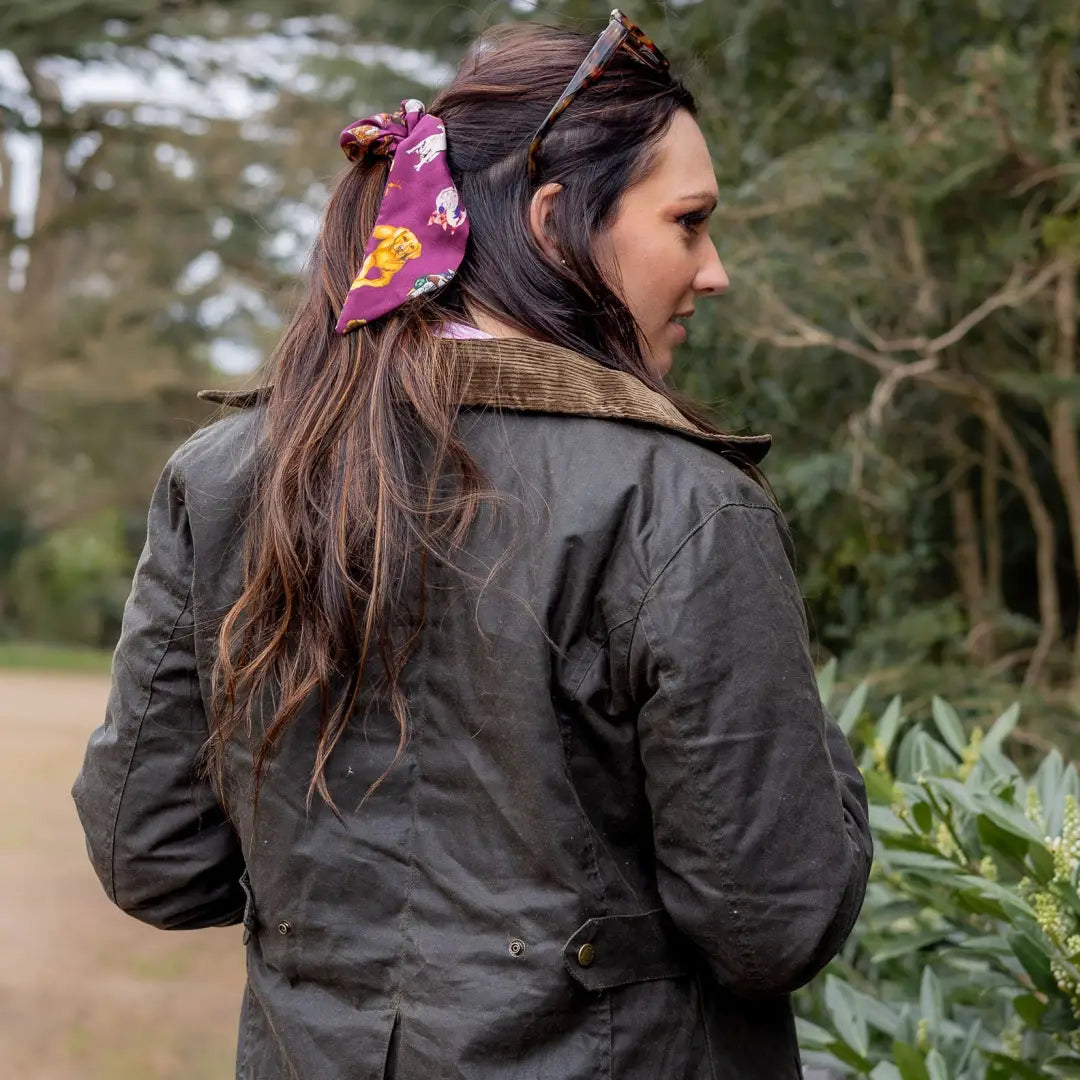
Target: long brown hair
{"type": "Point", "coordinates": [361, 478]}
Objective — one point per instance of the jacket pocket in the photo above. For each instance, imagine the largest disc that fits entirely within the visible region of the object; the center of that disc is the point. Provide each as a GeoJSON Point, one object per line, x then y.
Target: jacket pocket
{"type": "Point", "coordinates": [617, 950]}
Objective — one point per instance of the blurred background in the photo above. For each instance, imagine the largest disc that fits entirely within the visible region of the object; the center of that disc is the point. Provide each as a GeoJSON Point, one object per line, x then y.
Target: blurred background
{"type": "Point", "coordinates": [900, 219]}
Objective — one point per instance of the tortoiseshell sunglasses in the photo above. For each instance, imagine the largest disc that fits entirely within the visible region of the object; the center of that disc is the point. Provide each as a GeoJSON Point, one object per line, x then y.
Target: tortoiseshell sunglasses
{"type": "Point", "coordinates": [619, 32]}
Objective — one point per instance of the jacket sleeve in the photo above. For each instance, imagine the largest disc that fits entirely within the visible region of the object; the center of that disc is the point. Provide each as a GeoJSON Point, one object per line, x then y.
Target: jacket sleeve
{"type": "Point", "coordinates": [156, 834]}
{"type": "Point", "coordinates": [760, 823]}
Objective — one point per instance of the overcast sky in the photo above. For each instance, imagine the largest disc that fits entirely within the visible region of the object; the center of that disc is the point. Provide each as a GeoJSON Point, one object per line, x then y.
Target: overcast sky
{"type": "Point", "coordinates": [179, 82]}
{"type": "Point", "coordinates": [182, 82]}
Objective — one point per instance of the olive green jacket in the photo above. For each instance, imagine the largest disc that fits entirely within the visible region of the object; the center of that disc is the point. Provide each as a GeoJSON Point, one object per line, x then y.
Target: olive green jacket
{"type": "Point", "coordinates": [623, 829]}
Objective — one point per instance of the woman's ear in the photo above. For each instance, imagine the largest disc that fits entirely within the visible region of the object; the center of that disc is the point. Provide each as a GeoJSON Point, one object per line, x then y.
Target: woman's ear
{"type": "Point", "coordinates": [539, 209]}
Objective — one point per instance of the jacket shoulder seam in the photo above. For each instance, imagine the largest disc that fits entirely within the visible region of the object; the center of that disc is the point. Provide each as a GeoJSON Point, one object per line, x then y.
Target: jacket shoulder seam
{"type": "Point", "coordinates": [675, 554]}
{"type": "Point", "coordinates": [586, 666]}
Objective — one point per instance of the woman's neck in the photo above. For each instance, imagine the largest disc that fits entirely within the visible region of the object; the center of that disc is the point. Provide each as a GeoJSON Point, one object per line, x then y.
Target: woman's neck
{"type": "Point", "coordinates": [490, 325]}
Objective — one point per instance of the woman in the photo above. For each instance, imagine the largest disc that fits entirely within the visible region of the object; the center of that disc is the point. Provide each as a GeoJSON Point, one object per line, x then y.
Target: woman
{"type": "Point", "coordinates": [465, 666]}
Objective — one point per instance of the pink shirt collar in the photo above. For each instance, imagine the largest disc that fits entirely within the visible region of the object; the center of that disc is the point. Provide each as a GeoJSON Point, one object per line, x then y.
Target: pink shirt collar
{"type": "Point", "coordinates": [460, 330]}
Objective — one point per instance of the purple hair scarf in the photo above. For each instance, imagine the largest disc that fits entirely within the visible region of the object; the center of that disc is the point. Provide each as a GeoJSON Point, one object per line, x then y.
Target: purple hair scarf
{"type": "Point", "coordinates": [420, 234]}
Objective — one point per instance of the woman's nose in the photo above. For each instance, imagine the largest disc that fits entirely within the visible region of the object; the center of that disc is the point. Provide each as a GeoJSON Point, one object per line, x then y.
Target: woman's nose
{"type": "Point", "coordinates": [712, 278]}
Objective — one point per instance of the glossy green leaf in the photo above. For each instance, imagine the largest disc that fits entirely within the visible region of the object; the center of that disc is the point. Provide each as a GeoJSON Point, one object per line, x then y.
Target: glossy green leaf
{"type": "Point", "coordinates": [918, 860]}
{"type": "Point", "coordinates": [1063, 1065]}
{"type": "Point", "coordinates": [878, 787]}
{"type": "Point", "coordinates": [1041, 862]}
{"type": "Point", "coordinates": [904, 767]}
{"type": "Point", "coordinates": [923, 815]}
{"type": "Point", "coordinates": [889, 723]}
{"type": "Point", "coordinates": [877, 1013]}
{"type": "Point", "coordinates": [885, 1070]}
{"type": "Point", "coordinates": [929, 756]}
{"type": "Point", "coordinates": [1030, 1009]}
{"type": "Point", "coordinates": [1002, 727]}
{"type": "Point", "coordinates": [930, 998]}
{"type": "Point", "coordinates": [883, 820]}
{"type": "Point", "coordinates": [1007, 897]}
{"type": "Point", "coordinates": [956, 792]}
{"type": "Point", "coordinates": [1059, 1018]}
{"type": "Point", "coordinates": [846, 1017]}
{"type": "Point", "coordinates": [845, 1055]}
{"type": "Point", "coordinates": [1008, 818]}
{"type": "Point", "coordinates": [968, 1049]}
{"type": "Point", "coordinates": [936, 1067]}
{"type": "Point", "coordinates": [1007, 845]}
{"type": "Point", "coordinates": [1007, 1068]}
{"type": "Point", "coordinates": [908, 945]}
{"type": "Point", "coordinates": [947, 721]}
{"type": "Point", "coordinates": [826, 682]}
{"type": "Point", "coordinates": [853, 708]}
{"type": "Point", "coordinates": [1034, 960]}
{"type": "Point", "coordinates": [1047, 780]}
{"type": "Point", "coordinates": [812, 1036]}
{"type": "Point", "coordinates": [910, 1062]}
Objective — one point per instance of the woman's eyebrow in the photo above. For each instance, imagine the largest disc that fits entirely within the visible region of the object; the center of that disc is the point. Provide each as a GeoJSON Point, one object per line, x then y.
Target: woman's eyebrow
{"type": "Point", "coordinates": [708, 196]}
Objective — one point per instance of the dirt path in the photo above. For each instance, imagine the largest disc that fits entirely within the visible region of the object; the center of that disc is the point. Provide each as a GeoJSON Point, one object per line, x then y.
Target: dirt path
{"type": "Point", "coordinates": [87, 993]}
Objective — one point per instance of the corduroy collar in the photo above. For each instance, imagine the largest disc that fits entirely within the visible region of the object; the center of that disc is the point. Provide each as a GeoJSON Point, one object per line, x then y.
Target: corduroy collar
{"type": "Point", "coordinates": [533, 376]}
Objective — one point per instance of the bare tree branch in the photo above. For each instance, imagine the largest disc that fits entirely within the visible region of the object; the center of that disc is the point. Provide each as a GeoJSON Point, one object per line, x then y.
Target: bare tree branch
{"type": "Point", "coordinates": [883, 392]}
{"type": "Point", "coordinates": [1042, 176]}
{"type": "Point", "coordinates": [1069, 202]}
{"type": "Point", "coordinates": [1006, 137]}
{"type": "Point", "coordinates": [795, 331]}
{"type": "Point", "coordinates": [1012, 295]}
{"type": "Point", "coordinates": [926, 297]}
{"type": "Point", "coordinates": [800, 333]}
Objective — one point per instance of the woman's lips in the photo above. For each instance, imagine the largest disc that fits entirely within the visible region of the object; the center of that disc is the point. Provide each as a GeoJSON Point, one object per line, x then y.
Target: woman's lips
{"type": "Point", "coordinates": [680, 330]}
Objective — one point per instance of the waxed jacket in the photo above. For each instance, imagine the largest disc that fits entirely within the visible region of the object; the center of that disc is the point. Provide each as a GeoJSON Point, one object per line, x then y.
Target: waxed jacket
{"type": "Point", "coordinates": [623, 829]}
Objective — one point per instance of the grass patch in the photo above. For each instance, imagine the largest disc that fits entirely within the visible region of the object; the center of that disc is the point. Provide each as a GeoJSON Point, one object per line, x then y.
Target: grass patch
{"type": "Point", "coordinates": [37, 656]}
{"type": "Point", "coordinates": [145, 1052]}
{"type": "Point", "coordinates": [159, 967]}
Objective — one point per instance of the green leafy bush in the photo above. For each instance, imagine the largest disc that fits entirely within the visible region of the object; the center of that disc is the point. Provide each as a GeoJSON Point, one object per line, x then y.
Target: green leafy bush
{"type": "Point", "coordinates": [70, 586]}
{"type": "Point", "coordinates": [965, 963]}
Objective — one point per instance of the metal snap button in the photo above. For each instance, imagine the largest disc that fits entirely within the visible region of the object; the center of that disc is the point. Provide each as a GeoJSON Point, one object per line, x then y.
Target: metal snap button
{"type": "Point", "coordinates": [586, 954]}
{"type": "Point", "coordinates": [517, 947]}
{"type": "Point", "coordinates": [284, 928]}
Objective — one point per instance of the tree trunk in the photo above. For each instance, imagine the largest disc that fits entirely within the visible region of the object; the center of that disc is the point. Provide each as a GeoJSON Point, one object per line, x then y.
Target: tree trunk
{"type": "Point", "coordinates": [967, 562]}
{"type": "Point", "coordinates": [1045, 541]}
{"type": "Point", "coordinates": [44, 274]}
{"type": "Point", "coordinates": [1063, 441]}
{"type": "Point", "coordinates": [993, 559]}
{"type": "Point", "coordinates": [32, 311]}
{"type": "Point", "coordinates": [8, 424]}
{"type": "Point", "coordinates": [1060, 414]}
{"type": "Point", "coordinates": [991, 518]}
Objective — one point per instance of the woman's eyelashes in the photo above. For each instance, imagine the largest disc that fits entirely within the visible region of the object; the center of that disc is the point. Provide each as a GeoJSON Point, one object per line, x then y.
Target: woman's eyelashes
{"type": "Point", "coordinates": [693, 220]}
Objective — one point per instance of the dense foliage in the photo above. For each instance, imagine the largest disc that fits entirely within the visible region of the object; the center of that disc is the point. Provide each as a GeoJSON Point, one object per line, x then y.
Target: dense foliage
{"type": "Point", "coordinates": [901, 223]}
{"type": "Point", "coordinates": [965, 963]}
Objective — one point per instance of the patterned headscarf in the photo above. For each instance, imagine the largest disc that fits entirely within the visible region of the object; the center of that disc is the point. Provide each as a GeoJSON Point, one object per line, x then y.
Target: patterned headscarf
{"type": "Point", "coordinates": [419, 237]}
